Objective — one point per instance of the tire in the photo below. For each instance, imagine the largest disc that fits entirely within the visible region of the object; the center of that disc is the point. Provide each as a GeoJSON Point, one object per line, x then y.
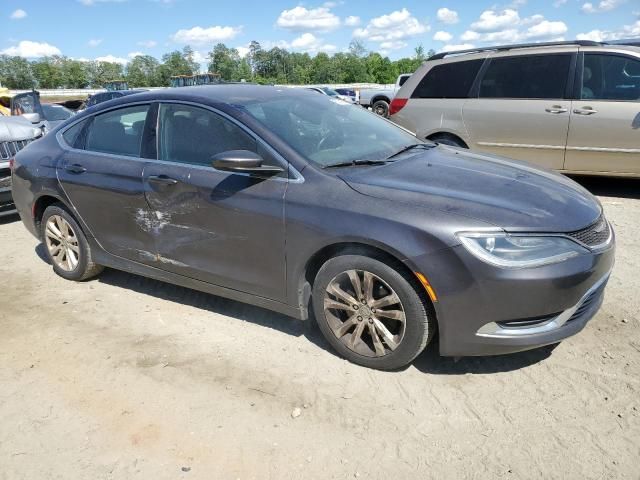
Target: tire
{"type": "Point", "coordinates": [73, 239]}
{"type": "Point", "coordinates": [450, 140]}
{"type": "Point", "coordinates": [381, 107]}
{"type": "Point", "coordinates": [340, 326]}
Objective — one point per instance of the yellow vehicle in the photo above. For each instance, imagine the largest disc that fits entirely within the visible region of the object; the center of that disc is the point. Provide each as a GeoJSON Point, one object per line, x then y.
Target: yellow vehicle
{"type": "Point", "coordinates": [5, 102]}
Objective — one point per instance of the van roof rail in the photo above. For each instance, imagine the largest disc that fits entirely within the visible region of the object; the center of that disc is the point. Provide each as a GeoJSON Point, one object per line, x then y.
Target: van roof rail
{"type": "Point", "coordinates": [501, 48]}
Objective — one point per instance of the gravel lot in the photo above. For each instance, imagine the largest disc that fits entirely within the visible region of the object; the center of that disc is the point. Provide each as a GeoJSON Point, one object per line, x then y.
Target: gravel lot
{"type": "Point", "coordinates": [125, 377]}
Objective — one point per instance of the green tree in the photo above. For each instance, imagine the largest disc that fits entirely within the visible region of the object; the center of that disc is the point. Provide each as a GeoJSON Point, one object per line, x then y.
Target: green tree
{"type": "Point", "coordinates": [143, 71]}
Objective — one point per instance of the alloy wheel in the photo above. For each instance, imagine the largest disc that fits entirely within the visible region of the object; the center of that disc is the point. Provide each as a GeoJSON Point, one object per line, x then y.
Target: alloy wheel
{"type": "Point", "coordinates": [62, 243]}
{"type": "Point", "coordinates": [364, 313]}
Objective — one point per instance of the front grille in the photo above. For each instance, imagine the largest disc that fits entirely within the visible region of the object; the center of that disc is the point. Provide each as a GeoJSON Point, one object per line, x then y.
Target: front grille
{"type": "Point", "coordinates": [9, 149]}
{"type": "Point", "coordinates": [594, 235]}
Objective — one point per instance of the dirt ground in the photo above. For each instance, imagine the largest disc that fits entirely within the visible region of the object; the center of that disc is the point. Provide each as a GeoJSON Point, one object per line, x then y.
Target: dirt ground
{"type": "Point", "coordinates": [124, 377]}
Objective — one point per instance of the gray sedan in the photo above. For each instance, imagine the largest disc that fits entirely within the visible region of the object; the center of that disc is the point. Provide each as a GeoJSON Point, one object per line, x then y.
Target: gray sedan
{"type": "Point", "coordinates": [298, 203]}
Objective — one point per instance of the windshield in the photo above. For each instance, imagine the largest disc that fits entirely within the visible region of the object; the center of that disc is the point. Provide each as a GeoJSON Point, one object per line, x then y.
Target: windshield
{"type": "Point", "coordinates": [328, 91]}
{"type": "Point", "coordinates": [328, 131]}
{"type": "Point", "coordinates": [56, 112]}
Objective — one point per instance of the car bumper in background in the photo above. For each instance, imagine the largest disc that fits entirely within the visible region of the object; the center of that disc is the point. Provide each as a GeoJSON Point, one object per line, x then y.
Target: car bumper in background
{"type": "Point", "coordinates": [485, 310]}
{"type": "Point", "coordinates": [6, 201]}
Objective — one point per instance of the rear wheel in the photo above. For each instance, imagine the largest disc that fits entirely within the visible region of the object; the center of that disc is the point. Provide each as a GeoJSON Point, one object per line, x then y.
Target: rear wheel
{"type": "Point", "coordinates": [370, 313]}
{"type": "Point", "coordinates": [66, 245]}
{"type": "Point", "coordinates": [381, 107]}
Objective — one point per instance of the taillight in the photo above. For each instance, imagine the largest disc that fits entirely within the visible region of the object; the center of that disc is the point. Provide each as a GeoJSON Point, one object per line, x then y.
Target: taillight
{"type": "Point", "coordinates": [397, 104]}
{"type": "Point", "coordinates": [12, 162]}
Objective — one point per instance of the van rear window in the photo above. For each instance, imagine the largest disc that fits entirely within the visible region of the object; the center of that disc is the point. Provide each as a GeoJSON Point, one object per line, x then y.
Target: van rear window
{"type": "Point", "coordinates": [448, 80]}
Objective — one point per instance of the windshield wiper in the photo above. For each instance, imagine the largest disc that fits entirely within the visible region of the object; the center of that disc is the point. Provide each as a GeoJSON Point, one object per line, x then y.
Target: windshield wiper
{"type": "Point", "coordinates": [426, 146]}
{"type": "Point", "coordinates": [356, 162]}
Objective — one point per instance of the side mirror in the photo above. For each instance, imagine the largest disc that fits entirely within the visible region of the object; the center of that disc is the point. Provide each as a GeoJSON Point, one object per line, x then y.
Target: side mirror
{"type": "Point", "coordinates": [32, 117]}
{"type": "Point", "coordinates": [243, 161]}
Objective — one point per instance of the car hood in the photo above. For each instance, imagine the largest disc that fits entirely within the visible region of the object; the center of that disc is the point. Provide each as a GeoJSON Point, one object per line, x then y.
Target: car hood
{"type": "Point", "coordinates": [511, 195]}
{"type": "Point", "coordinates": [15, 128]}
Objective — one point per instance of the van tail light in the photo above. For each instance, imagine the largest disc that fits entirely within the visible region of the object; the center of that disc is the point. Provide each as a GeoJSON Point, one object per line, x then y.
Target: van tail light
{"type": "Point", "coordinates": [397, 104]}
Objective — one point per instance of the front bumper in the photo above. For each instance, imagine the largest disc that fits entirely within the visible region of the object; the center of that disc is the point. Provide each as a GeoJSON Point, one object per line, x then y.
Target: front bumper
{"type": "Point", "coordinates": [6, 201]}
{"type": "Point", "coordinates": [485, 310]}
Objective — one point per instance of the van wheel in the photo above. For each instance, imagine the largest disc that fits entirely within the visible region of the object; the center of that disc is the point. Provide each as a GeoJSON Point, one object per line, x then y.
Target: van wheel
{"type": "Point", "coordinates": [447, 139]}
{"type": "Point", "coordinates": [66, 246]}
{"type": "Point", "coordinates": [381, 107]}
{"type": "Point", "coordinates": [370, 313]}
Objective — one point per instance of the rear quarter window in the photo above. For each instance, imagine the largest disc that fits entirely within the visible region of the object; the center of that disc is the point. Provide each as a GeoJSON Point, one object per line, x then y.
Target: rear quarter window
{"type": "Point", "coordinates": [448, 80]}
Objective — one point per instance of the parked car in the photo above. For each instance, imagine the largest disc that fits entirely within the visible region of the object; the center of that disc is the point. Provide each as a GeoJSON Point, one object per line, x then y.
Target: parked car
{"type": "Point", "coordinates": [288, 200]}
{"type": "Point", "coordinates": [15, 134]}
{"type": "Point", "coordinates": [347, 92]}
{"type": "Point", "coordinates": [100, 97]}
{"type": "Point", "coordinates": [331, 93]}
{"type": "Point", "coordinates": [570, 106]}
{"type": "Point", "coordinates": [56, 114]}
{"type": "Point", "coordinates": [379, 99]}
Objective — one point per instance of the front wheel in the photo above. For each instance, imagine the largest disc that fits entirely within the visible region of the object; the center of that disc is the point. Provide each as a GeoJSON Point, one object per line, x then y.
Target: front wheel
{"type": "Point", "coordinates": [370, 313]}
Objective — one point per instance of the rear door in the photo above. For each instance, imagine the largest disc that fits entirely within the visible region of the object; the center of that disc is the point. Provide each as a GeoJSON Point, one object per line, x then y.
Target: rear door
{"type": "Point", "coordinates": [101, 173]}
{"type": "Point", "coordinates": [604, 135]}
{"type": "Point", "coordinates": [219, 227]}
{"type": "Point", "coordinates": [522, 107]}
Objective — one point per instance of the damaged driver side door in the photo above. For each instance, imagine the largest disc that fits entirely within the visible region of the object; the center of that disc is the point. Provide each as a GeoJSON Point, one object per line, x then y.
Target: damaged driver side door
{"type": "Point", "coordinates": [220, 227]}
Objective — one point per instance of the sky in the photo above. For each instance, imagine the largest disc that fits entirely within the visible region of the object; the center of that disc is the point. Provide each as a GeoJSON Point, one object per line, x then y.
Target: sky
{"type": "Point", "coordinates": [117, 30]}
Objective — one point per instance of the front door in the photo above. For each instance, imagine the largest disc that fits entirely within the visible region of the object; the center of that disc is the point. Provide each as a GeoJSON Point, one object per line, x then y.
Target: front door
{"type": "Point", "coordinates": [605, 122]}
{"type": "Point", "coordinates": [101, 173]}
{"type": "Point", "coordinates": [522, 110]}
{"type": "Point", "coordinates": [220, 227]}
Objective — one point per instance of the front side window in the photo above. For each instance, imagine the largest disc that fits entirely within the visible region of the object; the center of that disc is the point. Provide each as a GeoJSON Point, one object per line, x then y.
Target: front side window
{"type": "Point", "coordinates": [193, 135]}
{"type": "Point", "coordinates": [610, 77]}
{"type": "Point", "coordinates": [527, 77]}
{"type": "Point", "coordinates": [118, 132]}
{"type": "Point", "coordinates": [448, 80]}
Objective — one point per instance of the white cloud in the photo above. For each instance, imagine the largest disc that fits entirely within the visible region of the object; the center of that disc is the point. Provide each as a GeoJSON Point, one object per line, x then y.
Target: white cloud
{"type": "Point", "coordinates": [200, 35]}
{"type": "Point", "coordinates": [352, 21]}
{"type": "Point", "coordinates": [243, 51]}
{"type": "Point", "coordinates": [491, 20]}
{"type": "Point", "coordinates": [453, 48]}
{"type": "Point", "coordinates": [308, 42]}
{"type": "Point", "coordinates": [447, 16]}
{"type": "Point", "coordinates": [112, 59]}
{"type": "Point", "coordinates": [29, 49]}
{"type": "Point", "coordinates": [18, 14]}
{"type": "Point", "coordinates": [627, 31]}
{"type": "Point", "coordinates": [94, 42]}
{"type": "Point", "coordinates": [603, 6]}
{"type": "Point", "coordinates": [148, 43]}
{"type": "Point", "coordinates": [394, 27]}
{"type": "Point", "coordinates": [301, 18]}
{"type": "Point", "coordinates": [507, 27]}
{"type": "Point", "coordinates": [88, 3]}
{"type": "Point", "coordinates": [135, 54]}
{"type": "Point", "coordinates": [393, 45]}
{"type": "Point", "coordinates": [442, 36]}
{"type": "Point", "coordinates": [559, 3]}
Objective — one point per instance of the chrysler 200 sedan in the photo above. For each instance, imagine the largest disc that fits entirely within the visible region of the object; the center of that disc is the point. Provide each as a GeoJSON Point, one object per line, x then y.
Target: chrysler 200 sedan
{"type": "Point", "coordinates": [295, 201]}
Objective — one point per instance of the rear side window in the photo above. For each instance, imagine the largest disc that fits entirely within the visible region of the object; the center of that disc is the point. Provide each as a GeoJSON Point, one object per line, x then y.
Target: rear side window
{"type": "Point", "coordinates": [118, 132]}
{"type": "Point", "coordinates": [193, 135]}
{"type": "Point", "coordinates": [448, 80]}
{"type": "Point", "coordinates": [73, 136]}
{"type": "Point", "coordinates": [610, 77]}
{"type": "Point", "coordinates": [530, 77]}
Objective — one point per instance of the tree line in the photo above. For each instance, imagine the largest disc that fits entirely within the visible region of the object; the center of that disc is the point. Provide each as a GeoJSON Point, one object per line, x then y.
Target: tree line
{"type": "Point", "coordinates": [274, 65]}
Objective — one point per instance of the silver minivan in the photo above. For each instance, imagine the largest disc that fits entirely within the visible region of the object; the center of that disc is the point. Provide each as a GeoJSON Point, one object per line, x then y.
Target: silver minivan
{"type": "Point", "coordinates": [569, 106]}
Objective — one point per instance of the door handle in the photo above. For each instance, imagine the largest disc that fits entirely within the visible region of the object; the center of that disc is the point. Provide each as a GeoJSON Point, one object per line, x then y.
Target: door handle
{"type": "Point", "coordinates": [163, 179]}
{"type": "Point", "coordinates": [556, 109]}
{"type": "Point", "coordinates": [584, 111]}
{"type": "Point", "coordinates": [75, 168]}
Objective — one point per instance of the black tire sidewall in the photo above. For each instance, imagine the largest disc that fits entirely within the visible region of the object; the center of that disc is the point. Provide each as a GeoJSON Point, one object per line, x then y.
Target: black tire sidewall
{"type": "Point", "coordinates": [386, 108]}
{"type": "Point", "coordinates": [81, 268]}
{"type": "Point", "coordinates": [417, 329]}
{"type": "Point", "coordinates": [447, 140]}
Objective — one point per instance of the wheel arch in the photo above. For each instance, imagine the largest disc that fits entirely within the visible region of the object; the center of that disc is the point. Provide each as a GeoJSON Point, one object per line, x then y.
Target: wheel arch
{"type": "Point", "coordinates": [380, 97]}
{"type": "Point", "coordinates": [41, 203]}
{"type": "Point", "coordinates": [445, 133]}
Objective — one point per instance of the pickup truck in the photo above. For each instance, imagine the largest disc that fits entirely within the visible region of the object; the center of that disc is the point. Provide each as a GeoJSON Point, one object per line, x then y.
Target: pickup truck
{"type": "Point", "coordinates": [380, 99]}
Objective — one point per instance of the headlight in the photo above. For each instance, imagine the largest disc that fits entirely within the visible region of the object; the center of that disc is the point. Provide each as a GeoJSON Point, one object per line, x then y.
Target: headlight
{"type": "Point", "coordinates": [509, 251]}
